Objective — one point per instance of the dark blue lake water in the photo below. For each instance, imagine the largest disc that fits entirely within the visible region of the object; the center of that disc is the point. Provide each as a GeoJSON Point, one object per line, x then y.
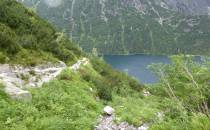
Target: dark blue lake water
{"type": "Point", "coordinates": [136, 65]}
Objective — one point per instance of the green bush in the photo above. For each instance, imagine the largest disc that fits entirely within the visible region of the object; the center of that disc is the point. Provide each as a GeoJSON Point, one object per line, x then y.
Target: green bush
{"type": "Point", "coordinates": [32, 58]}
{"type": "Point", "coordinates": [185, 80]}
{"type": "Point", "coordinates": [116, 80]}
{"type": "Point", "coordinates": [65, 75]}
{"type": "Point", "coordinates": [2, 58]}
{"type": "Point", "coordinates": [192, 122]}
{"type": "Point", "coordinates": [8, 40]}
{"type": "Point", "coordinates": [28, 41]}
{"type": "Point", "coordinates": [103, 89]}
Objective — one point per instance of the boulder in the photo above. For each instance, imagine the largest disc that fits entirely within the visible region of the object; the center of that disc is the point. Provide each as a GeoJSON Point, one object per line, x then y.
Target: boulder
{"type": "Point", "coordinates": [144, 127]}
{"type": "Point", "coordinates": [17, 93]}
{"type": "Point", "coordinates": [146, 93]}
{"type": "Point", "coordinates": [108, 110]}
{"type": "Point", "coordinates": [62, 64]}
{"type": "Point", "coordinates": [4, 68]}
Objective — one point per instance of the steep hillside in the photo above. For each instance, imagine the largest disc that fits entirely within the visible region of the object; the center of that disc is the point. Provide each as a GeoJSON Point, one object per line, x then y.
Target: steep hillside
{"type": "Point", "coordinates": [131, 26]}
{"type": "Point", "coordinates": [23, 33]}
{"type": "Point", "coordinates": [30, 49]}
{"type": "Point", "coordinates": [27, 40]}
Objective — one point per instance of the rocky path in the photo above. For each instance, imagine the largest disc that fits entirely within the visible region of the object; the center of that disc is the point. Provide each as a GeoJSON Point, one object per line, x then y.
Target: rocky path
{"type": "Point", "coordinates": [107, 122]}
{"type": "Point", "coordinates": [84, 61]}
{"type": "Point", "coordinates": [17, 78]}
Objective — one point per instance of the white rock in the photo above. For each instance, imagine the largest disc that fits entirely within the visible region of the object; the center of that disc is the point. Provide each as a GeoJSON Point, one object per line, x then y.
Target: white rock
{"type": "Point", "coordinates": [62, 64]}
{"type": "Point", "coordinates": [108, 110]}
{"type": "Point", "coordinates": [84, 61]}
{"type": "Point", "coordinates": [5, 68]}
{"type": "Point", "coordinates": [160, 116]}
{"type": "Point", "coordinates": [146, 93]}
{"type": "Point", "coordinates": [91, 89]}
{"type": "Point", "coordinates": [11, 77]}
{"type": "Point", "coordinates": [17, 93]}
{"type": "Point", "coordinates": [144, 127]}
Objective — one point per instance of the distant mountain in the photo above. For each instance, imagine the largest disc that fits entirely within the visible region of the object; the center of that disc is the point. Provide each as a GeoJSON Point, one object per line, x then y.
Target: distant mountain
{"type": "Point", "coordinates": [131, 26]}
{"type": "Point", "coordinates": [190, 7]}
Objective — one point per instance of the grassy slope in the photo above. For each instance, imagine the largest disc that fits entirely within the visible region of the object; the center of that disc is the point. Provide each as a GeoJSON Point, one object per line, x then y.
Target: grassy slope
{"type": "Point", "coordinates": [72, 106]}
{"type": "Point", "coordinates": [71, 102]}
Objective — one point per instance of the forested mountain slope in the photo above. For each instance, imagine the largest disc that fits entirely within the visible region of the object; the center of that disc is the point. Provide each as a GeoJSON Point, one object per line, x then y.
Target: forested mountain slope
{"type": "Point", "coordinates": [23, 32]}
{"type": "Point", "coordinates": [131, 26]}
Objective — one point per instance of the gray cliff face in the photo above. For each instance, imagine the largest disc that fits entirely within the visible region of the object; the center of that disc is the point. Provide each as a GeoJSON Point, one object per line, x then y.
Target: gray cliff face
{"type": "Point", "coordinates": [190, 7]}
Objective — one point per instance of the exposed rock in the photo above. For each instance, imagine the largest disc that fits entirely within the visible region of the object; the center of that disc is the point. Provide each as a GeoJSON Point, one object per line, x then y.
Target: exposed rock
{"type": "Point", "coordinates": [15, 78]}
{"type": "Point", "coordinates": [144, 127]}
{"type": "Point", "coordinates": [62, 64]}
{"type": "Point", "coordinates": [17, 93]}
{"type": "Point", "coordinates": [160, 116]}
{"type": "Point", "coordinates": [84, 61]}
{"type": "Point", "coordinates": [108, 110]}
{"type": "Point", "coordinates": [4, 68]}
{"type": "Point", "coordinates": [108, 123]}
{"type": "Point", "coordinates": [146, 93]}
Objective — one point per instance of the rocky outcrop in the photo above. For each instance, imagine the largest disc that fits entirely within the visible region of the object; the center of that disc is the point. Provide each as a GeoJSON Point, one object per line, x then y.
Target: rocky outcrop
{"type": "Point", "coordinates": [17, 78]}
{"type": "Point", "coordinates": [84, 61]}
{"type": "Point", "coordinates": [192, 7]}
{"type": "Point", "coordinates": [107, 122]}
{"type": "Point", "coordinates": [108, 110]}
{"type": "Point", "coordinates": [17, 93]}
{"type": "Point", "coordinates": [146, 93]}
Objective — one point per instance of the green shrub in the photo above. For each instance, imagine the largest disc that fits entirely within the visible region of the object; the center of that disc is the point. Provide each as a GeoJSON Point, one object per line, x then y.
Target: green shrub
{"type": "Point", "coordinates": [103, 89]}
{"type": "Point", "coordinates": [116, 80]}
{"type": "Point", "coordinates": [32, 58]}
{"type": "Point", "coordinates": [192, 122]}
{"type": "Point", "coordinates": [2, 58]}
{"type": "Point", "coordinates": [2, 92]}
{"type": "Point", "coordinates": [28, 41]}
{"type": "Point", "coordinates": [65, 75]}
{"type": "Point", "coordinates": [134, 84]}
{"type": "Point", "coordinates": [8, 40]}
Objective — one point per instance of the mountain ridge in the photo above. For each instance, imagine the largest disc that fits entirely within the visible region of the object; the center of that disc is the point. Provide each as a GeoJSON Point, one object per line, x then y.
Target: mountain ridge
{"type": "Point", "coordinates": [137, 26]}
